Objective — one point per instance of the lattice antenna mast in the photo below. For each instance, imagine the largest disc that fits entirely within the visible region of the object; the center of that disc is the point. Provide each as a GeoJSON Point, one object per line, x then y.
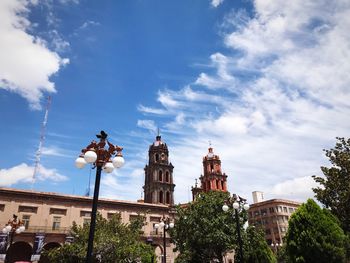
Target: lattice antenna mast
{"type": "Point", "coordinates": [41, 140]}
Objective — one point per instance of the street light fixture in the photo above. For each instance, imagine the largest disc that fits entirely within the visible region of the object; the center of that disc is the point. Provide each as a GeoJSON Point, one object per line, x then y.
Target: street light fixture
{"type": "Point", "coordinates": [238, 204]}
{"type": "Point", "coordinates": [97, 154]}
{"type": "Point", "coordinates": [165, 224]}
{"type": "Point", "coordinates": [275, 246]}
{"type": "Point", "coordinates": [13, 226]}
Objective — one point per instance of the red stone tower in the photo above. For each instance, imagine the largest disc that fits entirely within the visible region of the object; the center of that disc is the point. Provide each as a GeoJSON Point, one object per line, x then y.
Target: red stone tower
{"type": "Point", "coordinates": [159, 185]}
{"type": "Point", "coordinates": [212, 178]}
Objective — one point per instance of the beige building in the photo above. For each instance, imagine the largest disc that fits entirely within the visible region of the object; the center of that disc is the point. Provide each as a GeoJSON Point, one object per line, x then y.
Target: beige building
{"type": "Point", "coordinates": [272, 216]}
{"type": "Point", "coordinates": [52, 215]}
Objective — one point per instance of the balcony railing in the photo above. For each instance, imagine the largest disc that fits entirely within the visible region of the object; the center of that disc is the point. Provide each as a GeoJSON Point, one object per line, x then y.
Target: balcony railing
{"type": "Point", "coordinates": [48, 229]}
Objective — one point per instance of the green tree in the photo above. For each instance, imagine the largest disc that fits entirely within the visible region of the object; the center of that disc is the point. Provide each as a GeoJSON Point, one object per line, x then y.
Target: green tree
{"type": "Point", "coordinates": [314, 235]}
{"type": "Point", "coordinates": [203, 232]}
{"type": "Point", "coordinates": [256, 250]}
{"type": "Point", "coordinates": [113, 242]}
{"type": "Point", "coordinates": [334, 192]}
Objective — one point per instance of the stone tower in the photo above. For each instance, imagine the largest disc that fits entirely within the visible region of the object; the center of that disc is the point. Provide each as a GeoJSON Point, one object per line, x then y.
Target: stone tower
{"type": "Point", "coordinates": [159, 185]}
{"type": "Point", "coordinates": [212, 178]}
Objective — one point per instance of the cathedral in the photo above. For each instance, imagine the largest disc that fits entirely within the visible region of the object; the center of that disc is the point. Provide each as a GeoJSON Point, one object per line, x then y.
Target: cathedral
{"type": "Point", "coordinates": [48, 216]}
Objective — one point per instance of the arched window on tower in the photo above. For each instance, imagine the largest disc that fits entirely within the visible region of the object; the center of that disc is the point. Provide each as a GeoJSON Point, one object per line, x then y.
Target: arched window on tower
{"type": "Point", "coordinates": [160, 176]}
{"type": "Point", "coordinates": [167, 179]}
{"type": "Point", "coordinates": [156, 157]}
{"type": "Point", "coordinates": [217, 184]}
{"type": "Point", "coordinates": [208, 186]}
{"type": "Point", "coordinates": [211, 167]}
{"type": "Point", "coordinates": [161, 200]}
{"type": "Point", "coordinates": [167, 198]}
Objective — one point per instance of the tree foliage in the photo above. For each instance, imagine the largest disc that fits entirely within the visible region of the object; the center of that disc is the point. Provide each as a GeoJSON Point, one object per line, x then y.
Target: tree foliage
{"type": "Point", "coordinates": [314, 236]}
{"type": "Point", "coordinates": [256, 250]}
{"type": "Point", "coordinates": [334, 192]}
{"type": "Point", "coordinates": [113, 242]}
{"type": "Point", "coordinates": [203, 232]}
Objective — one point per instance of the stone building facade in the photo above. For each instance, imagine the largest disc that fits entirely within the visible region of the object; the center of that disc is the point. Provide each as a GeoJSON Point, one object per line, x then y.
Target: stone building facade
{"type": "Point", "coordinates": [212, 179]}
{"type": "Point", "coordinates": [50, 215]}
{"type": "Point", "coordinates": [272, 216]}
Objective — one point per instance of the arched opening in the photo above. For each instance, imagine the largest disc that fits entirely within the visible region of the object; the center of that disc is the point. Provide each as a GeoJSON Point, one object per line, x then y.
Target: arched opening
{"type": "Point", "coordinates": [19, 251]}
{"type": "Point", "coordinates": [156, 157]}
{"type": "Point", "coordinates": [167, 179]}
{"type": "Point", "coordinates": [218, 184]}
{"type": "Point", "coordinates": [161, 200]}
{"type": "Point", "coordinates": [48, 246]}
{"type": "Point", "coordinates": [167, 198]}
{"type": "Point", "coordinates": [159, 253]}
{"type": "Point", "coordinates": [160, 176]}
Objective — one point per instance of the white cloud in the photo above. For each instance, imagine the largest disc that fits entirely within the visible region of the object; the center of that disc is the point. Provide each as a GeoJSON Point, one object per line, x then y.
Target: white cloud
{"type": "Point", "coordinates": [26, 63]}
{"type": "Point", "coordinates": [151, 110]}
{"type": "Point", "coordinates": [23, 173]}
{"type": "Point", "coordinates": [147, 124]}
{"type": "Point", "coordinates": [278, 98]}
{"type": "Point", "coordinates": [216, 3]}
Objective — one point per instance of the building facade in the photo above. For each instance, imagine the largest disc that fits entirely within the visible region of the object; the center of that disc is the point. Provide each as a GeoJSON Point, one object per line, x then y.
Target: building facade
{"type": "Point", "coordinates": [272, 216]}
{"type": "Point", "coordinates": [47, 217]}
{"type": "Point", "coordinates": [212, 179]}
{"type": "Point", "coordinates": [159, 184]}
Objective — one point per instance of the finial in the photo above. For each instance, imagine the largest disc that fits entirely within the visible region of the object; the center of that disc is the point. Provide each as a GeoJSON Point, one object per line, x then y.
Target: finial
{"type": "Point", "coordinates": [158, 131]}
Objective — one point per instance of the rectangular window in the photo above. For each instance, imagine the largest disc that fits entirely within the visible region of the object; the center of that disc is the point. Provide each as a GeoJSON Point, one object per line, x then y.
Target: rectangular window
{"type": "Point", "coordinates": [85, 213]}
{"type": "Point", "coordinates": [110, 215]}
{"type": "Point", "coordinates": [87, 221]}
{"type": "Point", "coordinates": [56, 223]}
{"type": "Point", "coordinates": [25, 220]}
{"type": "Point", "coordinates": [58, 211]}
{"type": "Point", "coordinates": [263, 212]}
{"type": "Point", "coordinates": [272, 210]}
{"type": "Point", "coordinates": [285, 209]}
{"type": "Point", "coordinates": [155, 218]}
{"type": "Point", "coordinates": [27, 209]}
{"type": "Point", "coordinates": [2, 207]}
{"type": "Point", "coordinates": [291, 210]}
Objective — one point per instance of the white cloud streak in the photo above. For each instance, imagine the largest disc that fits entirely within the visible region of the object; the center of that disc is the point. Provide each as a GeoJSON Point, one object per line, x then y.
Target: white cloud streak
{"type": "Point", "coordinates": [23, 173]}
{"type": "Point", "coordinates": [26, 63]}
{"type": "Point", "coordinates": [276, 100]}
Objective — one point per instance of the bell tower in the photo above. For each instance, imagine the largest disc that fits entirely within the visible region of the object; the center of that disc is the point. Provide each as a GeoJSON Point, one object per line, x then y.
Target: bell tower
{"type": "Point", "coordinates": [213, 178]}
{"type": "Point", "coordinates": [159, 185]}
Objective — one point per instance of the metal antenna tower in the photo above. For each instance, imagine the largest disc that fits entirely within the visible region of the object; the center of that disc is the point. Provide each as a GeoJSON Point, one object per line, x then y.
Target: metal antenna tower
{"type": "Point", "coordinates": [41, 140]}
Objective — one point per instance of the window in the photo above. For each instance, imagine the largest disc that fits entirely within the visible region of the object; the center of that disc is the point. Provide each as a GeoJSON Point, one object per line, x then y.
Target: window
{"type": "Point", "coordinates": [2, 207]}
{"type": "Point", "coordinates": [291, 210]}
{"type": "Point", "coordinates": [27, 209]}
{"type": "Point", "coordinates": [285, 209]}
{"type": "Point", "coordinates": [25, 220]}
{"type": "Point", "coordinates": [272, 210]}
{"type": "Point", "coordinates": [160, 175]}
{"type": "Point", "coordinates": [58, 211]}
{"type": "Point", "coordinates": [85, 213]}
{"type": "Point", "coordinates": [157, 157]}
{"type": "Point", "coordinates": [167, 198]}
{"type": "Point", "coordinates": [56, 223]}
{"type": "Point", "coordinates": [256, 213]}
{"type": "Point", "coordinates": [161, 197]}
{"type": "Point", "coordinates": [263, 212]}
{"type": "Point", "coordinates": [167, 177]}
{"type": "Point", "coordinates": [110, 215]}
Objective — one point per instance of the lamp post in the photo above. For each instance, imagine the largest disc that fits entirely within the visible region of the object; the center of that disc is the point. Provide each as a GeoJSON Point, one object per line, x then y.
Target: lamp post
{"type": "Point", "coordinates": [275, 246]}
{"type": "Point", "coordinates": [238, 204]}
{"type": "Point", "coordinates": [13, 226]}
{"type": "Point", "coordinates": [100, 156]}
{"type": "Point", "coordinates": [166, 225]}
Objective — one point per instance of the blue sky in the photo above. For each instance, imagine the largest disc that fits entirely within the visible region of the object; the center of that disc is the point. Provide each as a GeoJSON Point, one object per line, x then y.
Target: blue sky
{"type": "Point", "coordinates": [266, 82]}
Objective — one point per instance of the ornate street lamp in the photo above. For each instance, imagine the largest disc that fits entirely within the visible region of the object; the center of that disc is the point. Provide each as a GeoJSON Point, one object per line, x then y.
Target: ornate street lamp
{"type": "Point", "coordinates": [100, 156]}
{"type": "Point", "coordinates": [13, 226]}
{"type": "Point", "coordinates": [164, 224]}
{"type": "Point", "coordinates": [275, 246]}
{"type": "Point", "coordinates": [238, 204]}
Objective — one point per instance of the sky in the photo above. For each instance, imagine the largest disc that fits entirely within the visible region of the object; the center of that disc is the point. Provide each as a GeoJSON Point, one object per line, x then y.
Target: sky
{"type": "Point", "coordinates": [266, 82]}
